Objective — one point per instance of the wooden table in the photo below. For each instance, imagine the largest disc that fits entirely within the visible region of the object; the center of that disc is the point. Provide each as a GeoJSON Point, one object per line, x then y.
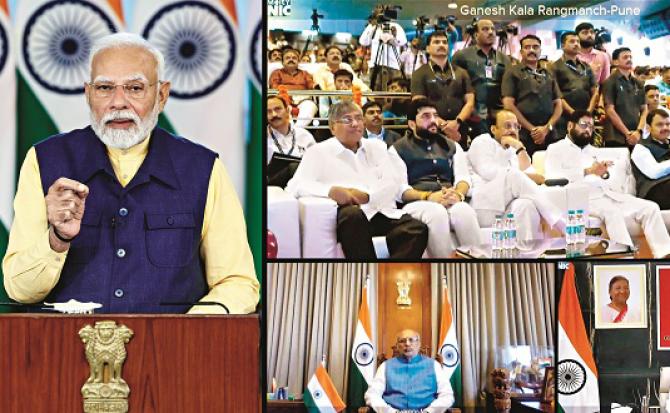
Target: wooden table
{"type": "Point", "coordinates": [286, 406]}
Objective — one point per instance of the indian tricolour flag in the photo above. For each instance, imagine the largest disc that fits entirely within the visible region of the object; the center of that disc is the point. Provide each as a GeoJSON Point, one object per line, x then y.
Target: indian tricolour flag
{"type": "Point", "coordinates": [7, 131]}
{"type": "Point", "coordinates": [254, 198]}
{"type": "Point", "coordinates": [451, 357]}
{"type": "Point", "coordinates": [55, 41]}
{"type": "Point", "coordinates": [321, 395]}
{"type": "Point", "coordinates": [577, 372]}
{"type": "Point", "coordinates": [201, 45]}
{"type": "Point", "coordinates": [363, 356]}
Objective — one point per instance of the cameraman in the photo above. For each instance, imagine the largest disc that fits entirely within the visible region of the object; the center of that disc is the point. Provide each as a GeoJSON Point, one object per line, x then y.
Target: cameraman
{"type": "Point", "coordinates": [486, 67]}
{"type": "Point", "coordinates": [382, 31]}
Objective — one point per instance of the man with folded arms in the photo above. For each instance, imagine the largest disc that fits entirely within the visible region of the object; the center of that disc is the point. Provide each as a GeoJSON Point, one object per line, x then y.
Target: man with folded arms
{"type": "Point", "coordinates": [575, 159]}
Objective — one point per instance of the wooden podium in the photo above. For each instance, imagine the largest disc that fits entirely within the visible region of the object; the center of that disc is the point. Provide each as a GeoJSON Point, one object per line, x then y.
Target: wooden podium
{"type": "Point", "coordinates": [175, 363]}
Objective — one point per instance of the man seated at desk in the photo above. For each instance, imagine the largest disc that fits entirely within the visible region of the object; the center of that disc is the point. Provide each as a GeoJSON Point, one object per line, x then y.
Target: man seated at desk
{"type": "Point", "coordinates": [123, 213]}
{"type": "Point", "coordinates": [410, 381]}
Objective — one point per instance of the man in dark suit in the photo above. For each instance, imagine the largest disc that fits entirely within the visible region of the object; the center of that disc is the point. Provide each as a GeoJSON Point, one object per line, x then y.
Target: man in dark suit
{"type": "Point", "coordinates": [374, 124]}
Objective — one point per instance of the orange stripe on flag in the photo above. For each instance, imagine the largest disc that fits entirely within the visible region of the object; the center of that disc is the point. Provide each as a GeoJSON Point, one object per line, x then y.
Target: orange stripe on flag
{"type": "Point", "coordinates": [328, 386]}
{"type": "Point", "coordinates": [364, 314]}
{"type": "Point", "coordinates": [570, 317]}
{"type": "Point", "coordinates": [230, 6]}
{"type": "Point", "coordinates": [3, 6]}
{"type": "Point", "coordinates": [117, 7]}
{"type": "Point", "coordinates": [447, 318]}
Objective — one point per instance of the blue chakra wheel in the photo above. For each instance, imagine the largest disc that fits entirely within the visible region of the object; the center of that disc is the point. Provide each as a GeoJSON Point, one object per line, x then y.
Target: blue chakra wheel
{"type": "Point", "coordinates": [450, 355]}
{"type": "Point", "coordinates": [256, 52]}
{"type": "Point", "coordinates": [4, 48]}
{"type": "Point", "coordinates": [57, 43]}
{"type": "Point", "coordinates": [364, 354]}
{"type": "Point", "coordinates": [198, 43]}
{"type": "Point", "coordinates": [571, 376]}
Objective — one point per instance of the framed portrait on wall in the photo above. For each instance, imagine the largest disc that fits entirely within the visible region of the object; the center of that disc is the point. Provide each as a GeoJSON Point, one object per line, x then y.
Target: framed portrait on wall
{"type": "Point", "coordinates": [663, 306]}
{"type": "Point", "coordinates": [620, 296]}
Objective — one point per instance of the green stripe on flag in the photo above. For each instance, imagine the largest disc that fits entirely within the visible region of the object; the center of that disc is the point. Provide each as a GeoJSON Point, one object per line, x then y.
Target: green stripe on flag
{"type": "Point", "coordinates": [456, 382]}
{"type": "Point", "coordinates": [310, 405]}
{"type": "Point", "coordinates": [33, 122]}
{"type": "Point", "coordinates": [164, 122]}
{"type": "Point", "coordinates": [4, 237]}
{"type": "Point", "coordinates": [254, 198]}
{"type": "Point", "coordinates": [356, 388]}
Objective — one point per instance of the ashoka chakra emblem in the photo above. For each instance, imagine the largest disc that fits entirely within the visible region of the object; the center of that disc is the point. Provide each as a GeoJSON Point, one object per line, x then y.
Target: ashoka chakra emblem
{"type": "Point", "coordinates": [571, 376]}
{"type": "Point", "coordinates": [364, 354]}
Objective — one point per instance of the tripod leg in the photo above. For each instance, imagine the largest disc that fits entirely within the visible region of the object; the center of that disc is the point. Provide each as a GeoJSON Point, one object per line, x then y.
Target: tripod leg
{"type": "Point", "coordinates": [375, 69]}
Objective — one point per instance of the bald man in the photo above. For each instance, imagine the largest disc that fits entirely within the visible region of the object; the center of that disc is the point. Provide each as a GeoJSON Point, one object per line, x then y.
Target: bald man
{"type": "Point", "coordinates": [430, 390]}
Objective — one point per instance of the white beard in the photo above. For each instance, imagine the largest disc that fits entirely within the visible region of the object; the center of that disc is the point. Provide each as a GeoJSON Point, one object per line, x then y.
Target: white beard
{"type": "Point", "coordinates": [124, 138]}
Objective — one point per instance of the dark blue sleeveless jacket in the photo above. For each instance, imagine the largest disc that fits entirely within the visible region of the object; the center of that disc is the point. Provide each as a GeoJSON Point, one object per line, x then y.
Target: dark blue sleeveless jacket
{"type": "Point", "coordinates": [139, 245]}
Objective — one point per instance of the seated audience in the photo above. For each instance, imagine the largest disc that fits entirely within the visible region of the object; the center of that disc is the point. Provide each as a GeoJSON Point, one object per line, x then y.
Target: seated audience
{"type": "Point", "coordinates": [651, 160]}
{"type": "Point", "coordinates": [359, 175]}
{"type": "Point", "coordinates": [437, 170]}
{"type": "Point", "coordinates": [324, 75]}
{"type": "Point", "coordinates": [575, 159]}
{"type": "Point", "coordinates": [504, 180]}
{"type": "Point", "coordinates": [294, 78]}
{"type": "Point", "coordinates": [283, 137]}
{"type": "Point", "coordinates": [374, 124]}
{"type": "Point", "coordinates": [410, 381]}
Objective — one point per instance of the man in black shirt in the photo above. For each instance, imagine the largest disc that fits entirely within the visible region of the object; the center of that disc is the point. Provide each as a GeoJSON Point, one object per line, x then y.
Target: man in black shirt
{"type": "Point", "coordinates": [575, 80]}
{"type": "Point", "coordinates": [532, 94]}
{"type": "Point", "coordinates": [446, 85]}
{"type": "Point", "coordinates": [624, 103]}
{"type": "Point", "coordinates": [486, 67]}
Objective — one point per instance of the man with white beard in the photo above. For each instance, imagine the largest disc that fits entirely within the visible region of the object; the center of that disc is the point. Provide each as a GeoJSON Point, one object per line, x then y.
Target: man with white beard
{"type": "Point", "coordinates": [123, 213]}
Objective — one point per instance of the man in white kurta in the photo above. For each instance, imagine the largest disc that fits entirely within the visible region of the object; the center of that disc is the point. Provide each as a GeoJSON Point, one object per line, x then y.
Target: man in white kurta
{"type": "Point", "coordinates": [575, 159]}
{"type": "Point", "coordinates": [504, 181]}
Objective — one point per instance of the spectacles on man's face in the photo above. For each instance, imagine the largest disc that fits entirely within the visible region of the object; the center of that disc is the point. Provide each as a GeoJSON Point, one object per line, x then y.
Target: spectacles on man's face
{"type": "Point", "coordinates": [408, 340]}
{"type": "Point", "coordinates": [135, 90]}
{"type": "Point", "coordinates": [510, 125]}
{"type": "Point", "coordinates": [349, 120]}
{"type": "Point", "coordinates": [585, 124]}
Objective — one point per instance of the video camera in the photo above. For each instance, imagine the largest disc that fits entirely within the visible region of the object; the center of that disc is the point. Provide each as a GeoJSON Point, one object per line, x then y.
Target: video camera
{"type": "Point", "coordinates": [443, 22]}
{"type": "Point", "coordinates": [385, 13]}
{"type": "Point", "coordinates": [602, 36]}
{"type": "Point", "coordinates": [508, 29]}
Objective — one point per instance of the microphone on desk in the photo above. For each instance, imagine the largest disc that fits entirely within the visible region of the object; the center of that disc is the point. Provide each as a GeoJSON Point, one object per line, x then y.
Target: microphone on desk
{"type": "Point", "coordinates": [195, 303]}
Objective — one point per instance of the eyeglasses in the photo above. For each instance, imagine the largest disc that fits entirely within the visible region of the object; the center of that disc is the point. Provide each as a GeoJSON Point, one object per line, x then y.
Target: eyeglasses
{"type": "Point", "coordinates": [584, 124]}
{"type": "Point", "coordinates": [133, 90]}
{"type": "Point", "coordinates": [408, 340]}
{"type": "Point", "coordinates": [348, 120]}
{"type": "Point", "coordinates": [508, 125]}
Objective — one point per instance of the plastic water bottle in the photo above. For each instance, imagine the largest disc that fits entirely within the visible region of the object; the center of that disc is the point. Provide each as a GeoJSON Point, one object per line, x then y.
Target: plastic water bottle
{"type": "Point", "coordinates": [570, 229]}
{"type": "Point", "coordinates": [509, 241]}
{"type": "Point", "coordinates": [581, 226]}
{"type": "Point", "coordinates": [498, 234]}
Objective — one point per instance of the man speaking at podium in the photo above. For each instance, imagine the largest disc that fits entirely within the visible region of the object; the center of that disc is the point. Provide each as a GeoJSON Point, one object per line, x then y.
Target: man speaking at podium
{"type": "Point", "coordinates": [123, 213]}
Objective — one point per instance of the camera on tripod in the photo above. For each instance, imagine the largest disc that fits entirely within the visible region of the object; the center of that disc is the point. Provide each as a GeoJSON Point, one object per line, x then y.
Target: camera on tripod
{"type": "Point", "coordinates": [602, 36]}
{"type": "Point", "coordinates": [384, 14]}
{"type": "Point", "coordinates": [508, 29]}
{"type": "Point", "coordinates": [443, 22]}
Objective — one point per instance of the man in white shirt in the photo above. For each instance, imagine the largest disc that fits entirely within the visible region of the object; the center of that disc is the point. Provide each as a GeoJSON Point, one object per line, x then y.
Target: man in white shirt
{"type": "Point", "coordinates": [651, 160]}
{"type": "Point", "coordinates": [283, 137]}
{"type": "Point", "coordinates": [575, 159]}
{"type": "Point", "coordinates": [428, 391]}
{"type": "Point", "coordinates": [358, 174]}
{"type": "Point", "coordinates": [324, 73]}
{"type": "Point", "coordinates": [505, 181]}
{"type": "Point", "coordinates": [385, 40]}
